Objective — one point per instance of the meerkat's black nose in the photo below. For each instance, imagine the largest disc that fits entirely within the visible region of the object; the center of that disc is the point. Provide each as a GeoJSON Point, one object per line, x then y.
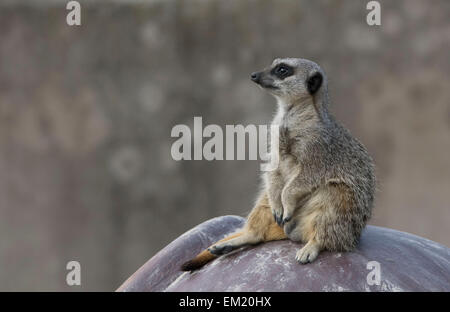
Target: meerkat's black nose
{"type": "Point", "coordinates": [255, 77]}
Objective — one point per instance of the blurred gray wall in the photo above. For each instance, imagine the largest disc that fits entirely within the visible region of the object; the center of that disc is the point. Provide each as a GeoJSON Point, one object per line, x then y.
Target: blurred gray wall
{"type": "Point", "coordinates": [86, 113]}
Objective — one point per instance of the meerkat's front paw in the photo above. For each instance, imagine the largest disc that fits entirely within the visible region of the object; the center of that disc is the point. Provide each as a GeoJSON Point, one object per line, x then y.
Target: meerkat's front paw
{"type": "Point", "coordinates": [278, 215]}
{"type": "Point", "coordinates": [287, 216]}
{"type": "Point", "coordinates": [307, 254]}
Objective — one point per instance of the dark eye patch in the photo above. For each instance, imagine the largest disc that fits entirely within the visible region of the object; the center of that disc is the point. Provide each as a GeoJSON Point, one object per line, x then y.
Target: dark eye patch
{"type": "Point", "coordinates": [282, 71]}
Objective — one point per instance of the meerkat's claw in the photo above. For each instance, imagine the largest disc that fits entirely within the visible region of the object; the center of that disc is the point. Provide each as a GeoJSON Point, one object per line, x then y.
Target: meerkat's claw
{"type": "Point", "coordinates": [307, 254]}
{"type": "Point", "coordinates": [279, 218]}
{"type": "Point", "coordinates": [286, 220]}
{"type": "Point", "coordinates": [221, 250]}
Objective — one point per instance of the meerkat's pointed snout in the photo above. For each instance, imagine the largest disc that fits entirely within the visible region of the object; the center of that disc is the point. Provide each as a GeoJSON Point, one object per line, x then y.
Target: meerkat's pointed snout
{"type": "Point", "coordinates": [256, 77]}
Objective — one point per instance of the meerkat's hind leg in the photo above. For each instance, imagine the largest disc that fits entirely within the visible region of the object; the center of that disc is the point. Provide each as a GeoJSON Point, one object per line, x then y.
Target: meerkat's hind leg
{"type": "Point", "coordinates": [245, 239]}
{"type": "Point", "coordinates": [327, 221]}
{"type": "Point", "coordinates": [308, 253]}
{"type": "Point", "coordinates": [271, 233]}
{"type": "Point", "coordinates": [260, 227]}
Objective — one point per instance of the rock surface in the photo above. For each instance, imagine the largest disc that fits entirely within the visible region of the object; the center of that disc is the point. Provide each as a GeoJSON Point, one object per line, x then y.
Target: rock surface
{"type": "Point", "coordinates": [407, 263]}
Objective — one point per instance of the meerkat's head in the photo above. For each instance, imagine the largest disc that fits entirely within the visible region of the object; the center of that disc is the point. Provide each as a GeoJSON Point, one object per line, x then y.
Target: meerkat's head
{"type": "Point", "coordinates": [291, 79]}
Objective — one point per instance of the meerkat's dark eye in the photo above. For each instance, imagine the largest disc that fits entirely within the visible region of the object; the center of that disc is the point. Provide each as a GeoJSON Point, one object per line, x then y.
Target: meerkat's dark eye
{"type": "Point", "coordinates": [282, 71]}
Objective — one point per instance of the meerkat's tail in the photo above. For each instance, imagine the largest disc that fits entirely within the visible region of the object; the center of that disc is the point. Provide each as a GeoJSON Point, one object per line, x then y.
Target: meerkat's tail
{"type": "Point", "coordinates": [205, 256]}
{"type": "Point", "coordinates": [200, 260]}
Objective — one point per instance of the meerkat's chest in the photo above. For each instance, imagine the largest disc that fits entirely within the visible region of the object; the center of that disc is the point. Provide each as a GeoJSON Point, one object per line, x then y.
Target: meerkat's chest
{"type": "Point", "coordinates": [287, 166]}
{"type": "Point", "coordinates": [290, 147]}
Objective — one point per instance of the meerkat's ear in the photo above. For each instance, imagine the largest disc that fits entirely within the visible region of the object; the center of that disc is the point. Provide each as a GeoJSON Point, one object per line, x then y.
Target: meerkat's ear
{"type": "Point", "coordinates": [314, 82]}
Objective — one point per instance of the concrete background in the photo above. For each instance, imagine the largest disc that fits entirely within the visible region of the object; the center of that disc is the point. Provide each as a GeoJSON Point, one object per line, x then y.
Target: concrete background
{"type": "Point", "coordinates": [86, 114]}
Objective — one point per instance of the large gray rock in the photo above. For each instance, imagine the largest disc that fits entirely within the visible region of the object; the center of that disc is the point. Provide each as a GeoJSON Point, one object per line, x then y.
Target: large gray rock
{"type": "Point", "coordinates": [407, 263]}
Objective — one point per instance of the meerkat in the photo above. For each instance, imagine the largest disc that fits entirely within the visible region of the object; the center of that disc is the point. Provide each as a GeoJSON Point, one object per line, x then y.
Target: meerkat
{"type": "Point", "coordinates": [322, 192]}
